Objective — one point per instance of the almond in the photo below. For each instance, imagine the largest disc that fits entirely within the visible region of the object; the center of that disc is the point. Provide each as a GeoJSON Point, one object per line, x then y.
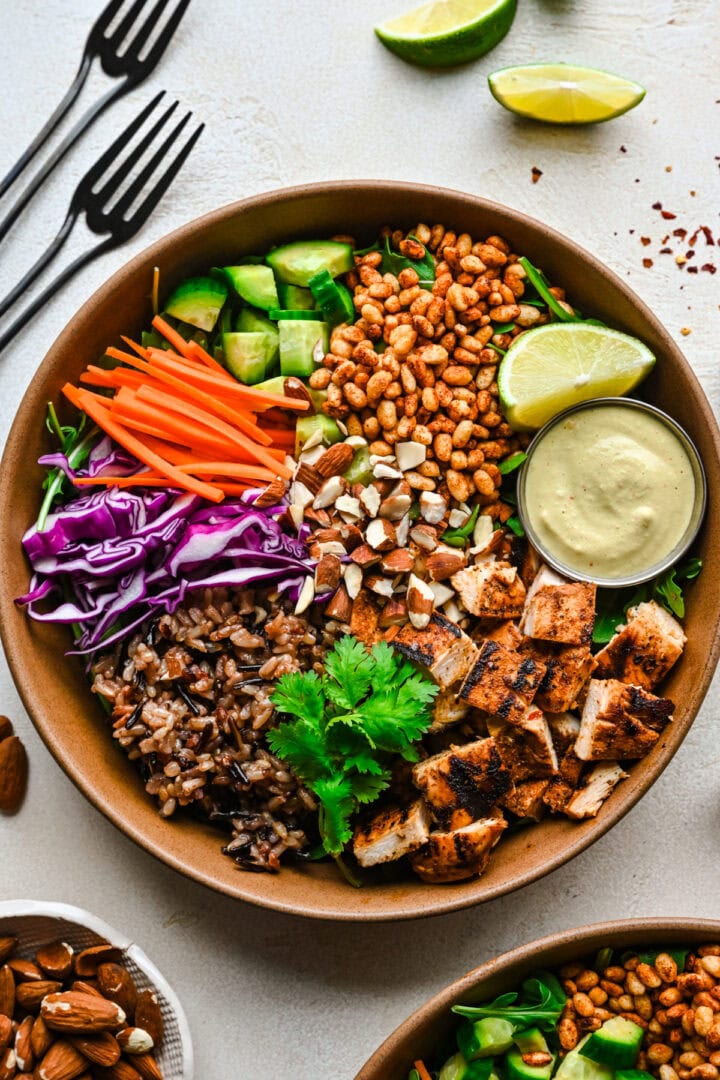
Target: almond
{"type": "Point", "coordinates": [381, 586]}
{"type": "Point", "coordinates": [30, 994]}
{"type": "Point", "coordinates": [148, 1015]}
{"type": "Point", "coordinates": [272, 494]}
{"type": "Point", "coordinates": [327, 573]}
{"type": "Point", "coordinates": [364, 556]}
{"type": "Point", "coordinates": [7, 1064]}
{"type": "Point", "coordinates": [23, 1045]}
{"type": "Point", "coordinates": [62, 1062]}
{"type": "Point", "coordinates": [424, 536]}
{"type": "Point", "coordinates": [328, 495]}
{"type": "Point", "coordinates": [7, 991]}
{"type": "Point", "coordinates": [25, 970]}
{"type": "Point", "coordinates": [55, 959]}
{"type": "Point", "coordinates": [6, 728]}
{"type": "Point", "coordinates": [117, 984]}
{"type": "Point", "coordinates": [147, 1067]}
{"type": "Point", "coordinates": [13, 774]}
{"type": "Point", "coordinates": [7, 947]}
{"type": "Point", "coordinates": [6, 1032]}
{"type": "Point", "coordinates": [443, 562]}
{"type": "Point", "coordinates": [432, 507]}
{"type": "Point", "coordinates": [305, 596]}
{"type": "Point", "coordinates": [370, 499]}
{"type": "Point", "coordinates": [86, 986]}
{"type": "Point", "coordinates": [87, 961]}
{"type": "Point", "coordinates": [135, 1040]}
{"type": "Point", "coordinates": [395, 506]}
{"type": "Point", "coordinates": [337, 459]}
{"type": "Point", "coordinates": [380, 535]}
{"type": "Point", "coordinates": [40, 1038]}
{"type": "Point", "coordinates": [121, 1070]}
{"type": "Point", "coordinates": [420, 602]}
{"type": "Point", "coordinates": [353, 576]}
{"type": "Point", "coordinates": [309, 476]}
{"type": "Point", "coordinates": [102, 1049]}
{"type": "Point", "coordinates": [81, 1014]}
{"type": "Point", "coordinates": [339, 607]}
{"type": "Point", "coordinates": [399, 561]}
{"type": "Point", "coordinates": [349, 507]}
{"type": "Point", "coordinates": [364, 619]}
{"type": "Point", "coordinates": [409, 455]}
{"type": "Point", "coordinates": [394, 613]}
{"type": "Point", "coordinates": [296, 388]}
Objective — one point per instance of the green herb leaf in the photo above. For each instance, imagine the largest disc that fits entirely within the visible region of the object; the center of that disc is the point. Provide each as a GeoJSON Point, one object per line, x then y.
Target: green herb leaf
{"type": "Point", "coordinates": [459, 537]}
{"type": "Point", "coordinates": [351, 668]}
{"type": "Point", "coordinates": [394, 263]}
{"type": "Point", "coordinates": [613, 604]}
{"type": "Point", "coordinates": [540, 1004]}
{"type": "Point", "coordinates": [515, 525]}
{"type": "Point", "coordinates": [510, 464]}
{"type": "Point", "coordinates": [300, 694]}
{"type": "Point", "coordinates": [76, 444]}
{"type": "Point", "coordinates": [503, 328]}
{"type": "Point", "coordinates": [541, 285]}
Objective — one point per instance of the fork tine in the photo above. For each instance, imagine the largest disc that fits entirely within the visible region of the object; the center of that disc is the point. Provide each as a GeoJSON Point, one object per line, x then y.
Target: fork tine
{"type": "Point", "coordinates": [106, 17]}
{"type": "Point", "coordinates": [96, 171]}
{"type": "Point", "coordinates": [123, 28]}
{"type": "Point", "coordinates": [124, 204]}
{"type": "Point", "coordinates": [164, 39]}
{"type": "Point", "coordinates": [113, 182]}
{"type": "Point", "coordinates": [143, 34]}
{"type": "Point", "coordinates": [153, 198]}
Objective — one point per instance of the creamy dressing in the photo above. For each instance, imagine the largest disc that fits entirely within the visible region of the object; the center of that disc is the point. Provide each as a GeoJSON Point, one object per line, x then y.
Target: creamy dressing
{"type": "Point", "coordinates": [609, 491]}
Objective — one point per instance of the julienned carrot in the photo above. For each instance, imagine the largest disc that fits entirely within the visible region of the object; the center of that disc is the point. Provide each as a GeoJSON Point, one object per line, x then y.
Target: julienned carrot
{"type": "Point", "coordinates": [90, 404]}
{"type": "Point", "coordinates": [421, 1070]}
{"type": "Point", "coordinates": [235, 416]}
{"type": "Point", "coordinates": [167, 401]}
{"type": "Point", "coordinates": [180, 452]}
{"type": "Point", "coordinates": [235, 489]}
{"type": "Point", "coordinates": [130, 410]}
{"type": "Point", "coordinates": [227, 468]}
{"type": "Point", "coordinates": [143, 479]}
{"type": "Point", "coordinates": [189, 349]}
{"type": "Point", "coordinates": [257, 399]}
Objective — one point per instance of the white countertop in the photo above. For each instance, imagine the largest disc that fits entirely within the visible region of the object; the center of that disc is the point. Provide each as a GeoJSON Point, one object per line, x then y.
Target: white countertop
{"type": "Point", "coordinates": [294, 91]}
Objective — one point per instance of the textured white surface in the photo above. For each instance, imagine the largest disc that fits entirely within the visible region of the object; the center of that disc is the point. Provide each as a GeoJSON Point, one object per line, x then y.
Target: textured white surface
{"type": "Point", "coordinates": [298, 90]}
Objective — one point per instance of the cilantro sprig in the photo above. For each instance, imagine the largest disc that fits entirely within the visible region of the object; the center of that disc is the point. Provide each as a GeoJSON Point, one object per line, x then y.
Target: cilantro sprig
{"type": "Point", "coordinates": [540, 1004]}
{"type": "Point", "coordinates": [367, 708]}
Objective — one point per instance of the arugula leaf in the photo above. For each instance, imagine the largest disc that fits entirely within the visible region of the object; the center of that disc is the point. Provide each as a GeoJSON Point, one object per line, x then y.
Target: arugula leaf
{"type": "Point", "coordinates": [542, 286]}
{"type": "Point", "coordinates": [76, 444]}
{"type": "Point", "coordinates": [504, 328]}
{"type": "Point", "coordinates": [458, 537]}
{"type": "Point", "coordinates": [667, 589]}
{"type": "Point", "coordinates": [368, 707]}
{"type": "Point", "coordinates": [515, 525]}
{"type": "Point", "coordinates": [510, 464]}
{"type": "Point", "coordinates": [394, 263]}
{"type": "Point", "coordinates": [540, 1004]}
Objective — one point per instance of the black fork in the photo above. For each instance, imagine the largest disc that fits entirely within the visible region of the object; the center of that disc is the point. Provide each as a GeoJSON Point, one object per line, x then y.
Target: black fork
{"type": "Point", "coordinates": [118, 60]}
{"type": "Point", "coordinates": [94, 195]}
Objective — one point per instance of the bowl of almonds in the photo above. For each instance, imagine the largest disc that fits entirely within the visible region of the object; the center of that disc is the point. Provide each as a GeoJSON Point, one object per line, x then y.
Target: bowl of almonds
{"type": "Point", "coordinates": [78, 999]}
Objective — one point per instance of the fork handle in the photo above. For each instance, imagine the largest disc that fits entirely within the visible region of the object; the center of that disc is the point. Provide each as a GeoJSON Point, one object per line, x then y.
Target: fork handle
{"type": "Point", "coordinates": [44, 134]}
{"type": "Point", "coordinates": [36, 269]}
{"type": "Point", "coordinates": [70, 270]}
{"type": "Point", "coordinates": [56, 157]}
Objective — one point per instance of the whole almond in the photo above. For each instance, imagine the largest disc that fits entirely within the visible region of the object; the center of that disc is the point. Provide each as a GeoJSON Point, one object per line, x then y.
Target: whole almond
{"type": "Point", "coordinates": [117, 984]}
{"type": "Point", "coordinates": [55, 959]}
{"type": "Point", "coordinates": [13, 774]}
{"type": "Point", "coordinates": [86, 986]}
{"type": "Point", "coordinates": [23, 1045]}
{"type": "Point", "coordinates": [148, 1015]}
{"type": "Point", "coordinates": [7, 992]}
{"type": "Point", "coordinates": [6, 728]}
{"type": "Point", "coordinates": [134, 1040]}
{"type": "Point", "coordinates": [40, 1038]}
{"type": "Point", "coordinates": [336, 460]}
{"type": "Point", "coordinates": [442, 564]}
{"type": "Point", "coordinates": [102, 1049]}
{"type": "Point", "coordinates": [122, 1070]}
{"type": "Point", "coordinates": [81, 1014]}
{"type": "Point", "coordinates": [6, 1032]}
{"type": "Point", "coordinates": [7, 947]}
{"type": "Point", "coordinates": [147, 1067]}
{"type": "Point", "coordinates": [30, 994]}
{"type": "Point", "coordinates": [62, 1062]}
{"type": "Point", "coordinates": [88, 961]}
{"type": "Point", "coordinates": [25, 970]}
{"type": "Point", "coordinates": [7, 1064]}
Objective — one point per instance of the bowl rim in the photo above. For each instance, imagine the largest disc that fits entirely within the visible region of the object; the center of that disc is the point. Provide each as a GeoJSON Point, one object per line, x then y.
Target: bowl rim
{"type": "Point", "coordinates": [576, 935]}
{"type": "Point", "coordinates": [21, 669]}
{"type": "Point", "coordinates": [50, 909]}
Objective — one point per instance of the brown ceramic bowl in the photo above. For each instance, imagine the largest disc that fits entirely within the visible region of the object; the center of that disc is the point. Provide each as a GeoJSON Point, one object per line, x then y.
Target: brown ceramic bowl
{"type": "Point", "coordinates": [55, 691]}
{"type": "Point", "coordinates": [420, 1036]}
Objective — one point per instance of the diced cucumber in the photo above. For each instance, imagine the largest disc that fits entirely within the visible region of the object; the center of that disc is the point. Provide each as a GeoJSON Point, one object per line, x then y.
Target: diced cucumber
{"type": "Point", "coordinates": [531, 1041]}
{"type": "Point", "coordinates": [575, 1066]}
{"type": "Point", "coordinates": [295, 298]}
{"type": "Point", "coordinates": [360, 469]}
{"type": "Point", "coordinates": [198, 301]}
{"type": "Point", "coordinates": [319, 398]}
{"type": "Point", "coordinates": [457, 1068]}
{"type": "Point", "coordinates": [296, 263]}
{"type": "Point", "coordinates": [246, 356]}
{"type": "Point", "coordinates": [633, 1074]}
{"type": "Point", "coordinates": [617, 1043]}
{"type": "Point", "coordinates": [151, 339]}
{"type": "Point", "coordinates": [293, 315]}
{"type": "Point", "coordinates": [333, 299]}
{"type": "Point", "coordinates": [254, 322]}
{"type": "Point", "coordinates": [517, 1069]}
{"type": "Point", "coordinates": [308, 425]}
{"type": "Point", "coordinates": [485, 1038]}
{"type": "Point", "coordinates": [301, 345]}
{"type": "Point", "coordinates": [254, 284]}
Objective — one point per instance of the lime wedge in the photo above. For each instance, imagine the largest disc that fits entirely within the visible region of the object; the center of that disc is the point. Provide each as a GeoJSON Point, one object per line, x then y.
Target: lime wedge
{"type": "Point", "coordinates": [559, 365]}
{"type": "Point", "coordinates": [564, 94]}
{"type": "Point", "coordinates": [446, 32]}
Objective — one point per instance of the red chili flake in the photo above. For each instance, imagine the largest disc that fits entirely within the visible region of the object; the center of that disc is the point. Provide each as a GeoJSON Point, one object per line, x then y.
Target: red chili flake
{"type": "Point", "coordinates": [623, 150]}
{"type": "Point", "coordinates": [682, 233]}
{"type": "Point", "coordinates": [665, 238]}
{"type": "Point", "coordinates": [692, 269]}
{"type": "Point", "coordinates": [536, 174]}
{"type": "Point", "coordinates": [668, 215]}
{"type": "Point", "coordinates": [657, 206]}
{"type": "Point", "coordinates": [645, 240]}
{"type": "Point", "coordinates": [647, 263]}
{"type": "Point", "coordinates": [709, 268]}
{"type": "Point", "coordinates": [666, 251]}
{"type": "Point", "coordinates": [707, 233]}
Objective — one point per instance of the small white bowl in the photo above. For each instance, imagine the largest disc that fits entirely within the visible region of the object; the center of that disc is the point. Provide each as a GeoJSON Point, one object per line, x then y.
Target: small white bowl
{"type": "Point", "coordinates": [36, 923]}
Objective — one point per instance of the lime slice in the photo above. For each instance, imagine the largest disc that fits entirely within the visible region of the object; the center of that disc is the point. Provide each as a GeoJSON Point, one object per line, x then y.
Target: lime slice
{"type": "Point", "coordinates": [446, 32]}
{"type": "Point", "coordinates": [564, 94]}
{"type": "Point", "coordinates": [559, 365]}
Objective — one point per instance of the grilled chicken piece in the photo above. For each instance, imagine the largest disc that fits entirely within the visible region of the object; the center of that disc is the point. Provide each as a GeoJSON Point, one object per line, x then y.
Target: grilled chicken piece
{"type": "Point", "coordinates": [468, 778]}
{"type": "Point", "coordinates": [392, 833]}
{"type": "Point", "coordinates": [442, 647]}
{"type": "Point", "coordinates": [564, 728]}
{"type": "Point", "coordinates": [562, 787]}
{"type": "Point", "coordinates": [568, 668]}
{"type": "Point", "coordinates": [502, 681]}
{"type": "Point", "coordinates": [619, 721]}
{"type": "Point", "coordinates": [559, 610]}
{"type": "Point", "coordinates": [459, 854]}
{"type": "Point", "coordinates": [505, 633]}
{"type": "Point", "coordinates": [364, 619]}
{"type": "Point", "coordinates": [526, 799]}
{"type": "Point", "coordinates": [526, 748]}
{"type": "Point", "coordinates": [448, 709]}
{"type": "Point", "coordinates": [600, 781]}
{"type": "Point", "coordinates": [644, 649]}
{"type": "Point", "coordinates": [491, 590]}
